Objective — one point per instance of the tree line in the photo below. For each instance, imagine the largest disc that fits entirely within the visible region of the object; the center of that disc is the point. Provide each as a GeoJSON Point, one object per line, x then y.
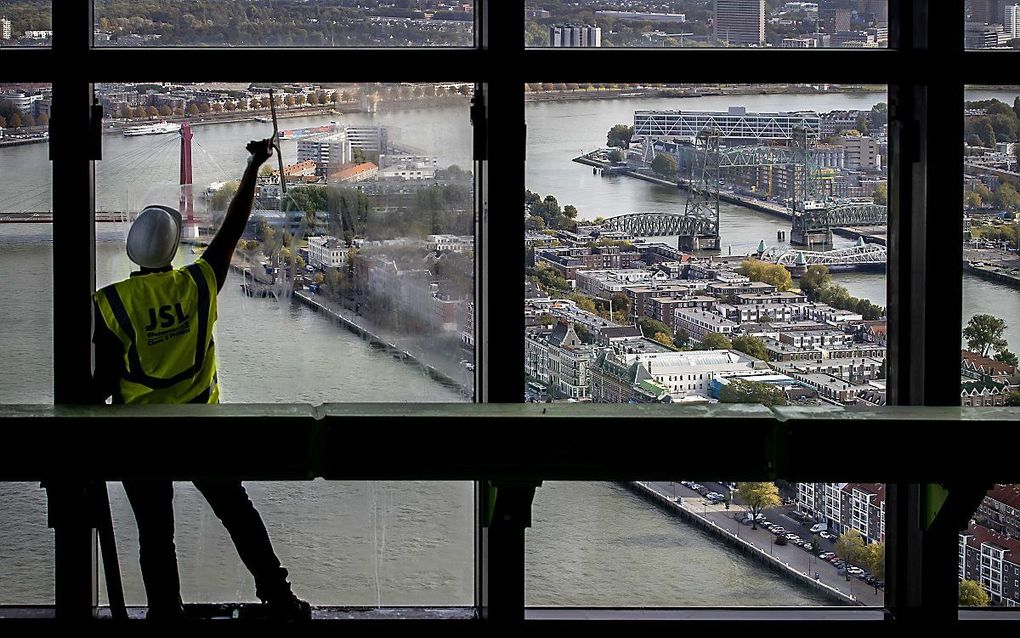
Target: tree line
{"type": "Point", "coordinates": [282, 22]}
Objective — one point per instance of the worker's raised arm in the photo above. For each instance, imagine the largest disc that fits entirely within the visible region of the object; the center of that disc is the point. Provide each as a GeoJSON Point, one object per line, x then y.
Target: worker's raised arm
{"type": "Point", "coordinates": [222, 246]}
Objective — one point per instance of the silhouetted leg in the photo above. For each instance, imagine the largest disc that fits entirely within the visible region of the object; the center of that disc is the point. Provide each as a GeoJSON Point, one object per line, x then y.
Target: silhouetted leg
{"type": "Point", "coordinates": [153, 505]}
{"type": "Point", "coordinates": [230, 502]}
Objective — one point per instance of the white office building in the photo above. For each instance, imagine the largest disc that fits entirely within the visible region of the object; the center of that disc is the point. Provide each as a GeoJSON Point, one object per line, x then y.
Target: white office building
{"type": "Point", "coordinates": [1011, 21]}
{"type": "Point", "coordinates": [326, 251]}
{"type": "Point", "coordinates": [733, 124]}
{"type": "Point", "coordinates": [688, 374]}
{"type": "Point", "coordinates": [574, 35]}
{"type": "Point", "coordinates": [5, 29]}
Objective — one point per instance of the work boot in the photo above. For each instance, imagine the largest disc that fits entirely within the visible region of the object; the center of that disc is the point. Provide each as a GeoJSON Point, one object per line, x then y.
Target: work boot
{"type": "Point", "coordinates": [286, 607]}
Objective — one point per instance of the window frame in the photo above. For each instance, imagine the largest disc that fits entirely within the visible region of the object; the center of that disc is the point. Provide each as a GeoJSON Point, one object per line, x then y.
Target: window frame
{"type": "Point", "coordinates": [925, 70]}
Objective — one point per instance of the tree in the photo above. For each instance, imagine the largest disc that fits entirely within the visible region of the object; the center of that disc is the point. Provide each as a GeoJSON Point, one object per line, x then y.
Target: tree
{"type": "Point", "coordinates": [615, 156]}
{"type": "Point", "coordinates": [745, 391]}
{"type": "Point", "coordinates": [266, 171]}
{"type": "Point", "coordinates": [165, 111]}
{"type": "Point", "coordinates": [752, 346]}
{"type": "Point", "coordinates": [758, 497]}
{"type": "Point", "coordinates": [1006, 356]}
{"type": "Point", "coordinates": [650, 327]}
{"type": "Point", "coordinates": [28, 120]}
{"type": "Point", "coordinates": [151, 111]}
{"type": "Point", "coordinates": [850, 547]}
{"type": "Point", "coordinates": [984, 333]}
{"type": "Point", "coordinates": [682, 338]}
{"type": "Point", "coordinates": [583, 302]}
{"type": "Point", "coordinates": [570, 211]}
{"type": "Point", "coordinates": [1013, 399]}
{"type": "Point", "coordinates": [664, 339]}
{"type": "Point", "coordinates": [715, 341]}
{"type": "Point", "coordinates": [972, 594]}
{"type": "Point", "coordinates": [664, 165]}
{"type": "Point", "coordinates": [138, 112]}
{"type": "Point", "coordinates": [862, 124]}
{"type": "Point", "coordinates": [973, 200]}
{"type": "Point", "coordinates": [873, 559]}
{"type": "Point", "coordinates": [620, 135]}
{"type": "Point", "coordinates": [3, 122]}
{"type": "Point", "coordinates": [216, 107]}
{"type": "Point", "coordinates": [882, 195]}
{"type": "Point", "coordinates": [203, 107]}
{"type": "Point", "coordinates": [814, 279]}
{"type": "Point", "coordinates": [774, 274]}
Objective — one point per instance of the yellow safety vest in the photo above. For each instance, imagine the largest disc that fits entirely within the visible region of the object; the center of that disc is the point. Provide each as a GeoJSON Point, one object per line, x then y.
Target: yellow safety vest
{"type": "Point", "coordinates": [165, 321]}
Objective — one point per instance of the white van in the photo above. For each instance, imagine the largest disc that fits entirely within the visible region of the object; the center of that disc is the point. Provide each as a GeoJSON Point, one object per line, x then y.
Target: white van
{"type": "Point", "coordinates": [819, 527]}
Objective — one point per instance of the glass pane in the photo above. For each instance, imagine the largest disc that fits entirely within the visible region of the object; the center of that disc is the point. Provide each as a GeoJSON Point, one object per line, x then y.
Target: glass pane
{"type": "Point", "coordinates": [26, 325]}
{"type": "Point", "coordinates": [992, 24]}
{"type": "Point", "coordinates": [708, 248]}
{"type": "Point", "coordinates": [354, 285]}
{"type": "Point", "coordinates": [361, 275]}
{"type": "Point", "coordinates": [682, 543]}
{"type": "Point", "coordinates": [722, 23]}
{"type": "Point", "coordinates": [26, 23]}
{"type": "Point", "coordinates": [989, 553]}
{"type": "Point", "coordinates": [343, 543]}
{"type": "Point", "coordinates": [285, 23]}
{"type": "Point", "coordinates": [991, 304]}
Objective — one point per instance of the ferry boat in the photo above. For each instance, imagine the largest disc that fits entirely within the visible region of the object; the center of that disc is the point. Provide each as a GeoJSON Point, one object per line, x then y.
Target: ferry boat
{"type": "Point", "coordinates": [152, 129]}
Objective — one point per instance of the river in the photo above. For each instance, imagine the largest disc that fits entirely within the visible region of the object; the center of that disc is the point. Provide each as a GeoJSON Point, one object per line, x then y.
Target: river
{"type": "Point", "coordinates": [382, 543]}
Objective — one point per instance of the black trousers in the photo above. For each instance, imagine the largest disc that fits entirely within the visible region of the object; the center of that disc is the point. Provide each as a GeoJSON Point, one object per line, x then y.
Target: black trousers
{"type": "Point", "coordinates": [152, 502]}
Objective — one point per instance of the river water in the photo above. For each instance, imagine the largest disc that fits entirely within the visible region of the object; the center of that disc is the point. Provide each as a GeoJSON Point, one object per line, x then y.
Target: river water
{"type": "Point", "coordinates": [381, 543]}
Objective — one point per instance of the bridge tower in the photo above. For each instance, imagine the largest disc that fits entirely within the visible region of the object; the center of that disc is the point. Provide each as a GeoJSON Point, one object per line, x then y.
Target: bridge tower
{"type": "Point", "coordinates": [810, 212]}
{"type": "Point", "coordinates": [187, 202]}
{"type": "Point", "coordinates": [703, 192]}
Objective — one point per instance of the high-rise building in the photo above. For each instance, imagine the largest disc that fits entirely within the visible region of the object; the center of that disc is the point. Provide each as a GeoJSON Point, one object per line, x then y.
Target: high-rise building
{"type": "Point", "coordinates": [1011, 20]}
{"type": "Point", "coordinates": [5, 29]}
{"type": "Point", "coordinates": [740, 22]}
{"type": "Point", "coordinates": [876, 11]}
{"type": "Point", "coordinates": [575, 35]}
{"type": "Point", "coordinates": [986, 11]}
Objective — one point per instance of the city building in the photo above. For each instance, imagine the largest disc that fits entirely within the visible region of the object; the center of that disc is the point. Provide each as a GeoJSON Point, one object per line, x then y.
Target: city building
{"type": "Point", "coordinates": [354, 172]}
{"type": "Point", "coordinates": [1011, 20]}
{"type": "Point", "coordinates": [5, 28]}
{"type": "Point", "coordinates": [740, 22]}
{"type": "Point", "coordinates": [326, 251]}
{"type": "Point", "coordinates": [993, 560]}
{"type": "Point", "coordinates": [574, 35]}
{"type": "Point", "coordinates": [22, 101]}
{"type": "Point", "coordinates": [643, 16]}
{"type": "Point", "coordinates": [414, 171]}
{"type": "Point", "coordinates": [371, 139]}
{"type": "Point", "coordinates": [984, 36]}
{"type": "Point", "coordinates": [327, 152]}
{"type": "Point", "coordinates": [874, 11]}
{"type": "Point", "coordinates": [560, 361]}
{"type": "Point", "coordinates": [1000, 509]}
{"type": "Point", "coordinates": [603, 283]}
{"type": "Point", "coordinates": [734, 124]}
{"type": "Point", "coordinates": [615, 378]}
{"type": "Point", "coordinates": [861, 153]}
{"type": "Point", "coordinates": [450, 243]}
{"type": "Point", "coordinates": [799, 43]}
{"type": "Point", "coordinates": [846, 506]}
{"type": "Point", "coordinates": [699, 323]}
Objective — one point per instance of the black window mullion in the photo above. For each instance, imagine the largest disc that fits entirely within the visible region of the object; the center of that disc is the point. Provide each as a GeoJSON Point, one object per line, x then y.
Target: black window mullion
{"type": "Point", "coordinates": [75, 577]}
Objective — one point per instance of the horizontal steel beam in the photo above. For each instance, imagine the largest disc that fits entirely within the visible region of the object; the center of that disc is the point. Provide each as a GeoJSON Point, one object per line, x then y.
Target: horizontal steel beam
{"type": "Point", "coordinates": [506, 441]}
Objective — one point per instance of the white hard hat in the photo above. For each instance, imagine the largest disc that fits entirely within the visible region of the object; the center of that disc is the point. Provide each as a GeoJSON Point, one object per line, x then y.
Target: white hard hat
{"type": "Point", "coordinates": [153, 238]}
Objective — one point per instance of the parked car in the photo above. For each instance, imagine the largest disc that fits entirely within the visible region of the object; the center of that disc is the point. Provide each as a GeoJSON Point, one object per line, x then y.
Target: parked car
{"type": "Point", "coordinates": [807, 547]}
{"type": "Point", "coordinates": [826, 555]}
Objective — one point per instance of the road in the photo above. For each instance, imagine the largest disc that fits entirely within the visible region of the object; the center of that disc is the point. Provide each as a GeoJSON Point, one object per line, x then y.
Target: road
{"type": "Point", "coordinates": [794, 557]}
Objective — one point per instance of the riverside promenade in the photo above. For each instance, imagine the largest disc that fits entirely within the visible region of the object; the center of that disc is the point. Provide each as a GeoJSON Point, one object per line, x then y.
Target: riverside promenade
{"type": "Point", "coordinates": [790, 561]}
